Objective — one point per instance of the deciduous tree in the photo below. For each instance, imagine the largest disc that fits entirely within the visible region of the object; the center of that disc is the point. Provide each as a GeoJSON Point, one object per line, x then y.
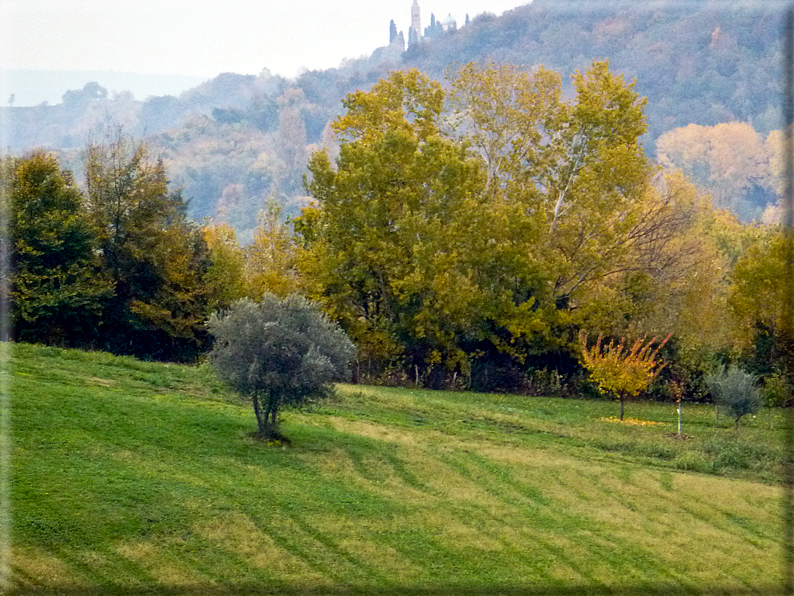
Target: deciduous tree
{"type": "Point", "coordinates": [603, 230]}
{"type": "Point", "coordinates": [576, 169]}
{"type": "Point", "coordinates": [225, 279]}
{"type": "Point", "coordinates": [271, 260]}
{"type": "Point", "coordinates": [497, 218]}
{"type": "Point", "coordinates": [155, 258]}
{"type": "Point", "coordinates": [730, 161]}
{"type": "Point", "coordinates": [403, 246]}
{"type": "Point", "coordinates": [619, 370]}
{"type": "Point", "coordinates": [757, 300]}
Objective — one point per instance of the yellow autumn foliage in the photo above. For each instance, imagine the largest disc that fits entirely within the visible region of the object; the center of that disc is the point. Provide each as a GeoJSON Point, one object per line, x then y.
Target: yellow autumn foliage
{"type": "Point", "coordinates": [620, 370]}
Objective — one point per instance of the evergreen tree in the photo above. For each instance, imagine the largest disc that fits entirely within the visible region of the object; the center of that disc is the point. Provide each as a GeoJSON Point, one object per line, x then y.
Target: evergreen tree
{"type": "Point", "coordinates": [57, 292]}
{"type": "Point", "coordinates": [735, 392]}
{"type": "Point", "coordinates": [431, 30]}
{"type": "Point", "coordinates": [279, 353]}
{"type": "Point", "coordinates": [392, 32]}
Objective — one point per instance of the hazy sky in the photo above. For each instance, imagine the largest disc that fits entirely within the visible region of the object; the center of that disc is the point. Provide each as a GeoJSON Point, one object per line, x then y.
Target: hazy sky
{"type": "Point", "coordinates": [206, 37]}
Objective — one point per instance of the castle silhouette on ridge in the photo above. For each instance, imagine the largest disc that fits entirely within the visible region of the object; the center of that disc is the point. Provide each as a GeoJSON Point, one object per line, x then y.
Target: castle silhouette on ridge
{"type": "Point", "coordinates": [415, 33]}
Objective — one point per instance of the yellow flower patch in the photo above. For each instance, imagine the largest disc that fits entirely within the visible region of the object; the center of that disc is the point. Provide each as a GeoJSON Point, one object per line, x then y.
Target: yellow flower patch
{"type": "Point", "coordinates": [633, 421]}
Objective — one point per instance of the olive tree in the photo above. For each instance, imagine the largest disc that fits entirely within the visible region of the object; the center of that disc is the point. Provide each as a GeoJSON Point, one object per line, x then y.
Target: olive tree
{"type": "Point", "coordinates": [735, 391]}
{"type": "Point", "coordinates": [278, 352]}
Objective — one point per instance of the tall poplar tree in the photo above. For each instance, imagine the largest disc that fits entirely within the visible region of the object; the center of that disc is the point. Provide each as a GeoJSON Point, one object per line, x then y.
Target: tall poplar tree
{"type": "Point", "coordinates": [576, 171]}
{"type": "Point", "coordinates": [392, 32]}
{"type": "Point", "coordinates": [270, 260]}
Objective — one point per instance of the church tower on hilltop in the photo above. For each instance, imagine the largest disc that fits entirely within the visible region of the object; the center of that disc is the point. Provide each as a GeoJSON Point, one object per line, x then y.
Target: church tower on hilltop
{"type": "Point", "coordinates": [416, 24]}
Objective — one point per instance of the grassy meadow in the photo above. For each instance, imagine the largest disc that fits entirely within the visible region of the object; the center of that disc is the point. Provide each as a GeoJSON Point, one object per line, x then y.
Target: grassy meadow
{"type": "Point", "coordinates": [131, 477]}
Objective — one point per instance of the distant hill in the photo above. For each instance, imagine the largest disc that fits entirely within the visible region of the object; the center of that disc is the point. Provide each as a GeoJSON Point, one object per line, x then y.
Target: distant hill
{"type": "Point", "coordinates": [235, 140]}
{"type": "Point", "coordinates": [698, 61]}
{"type": "Point", "coordinates": [34, 87]}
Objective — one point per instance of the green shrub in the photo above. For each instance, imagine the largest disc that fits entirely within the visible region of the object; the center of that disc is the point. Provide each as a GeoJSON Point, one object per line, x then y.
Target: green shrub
{"type": "Point", "coordinates": [734, 391]}
{"type": "Point", "coordinates": [732, 456]}
{"type": "Point", "coordinates": [776, 391]}
{"type": "Point", "coordinates": [739, 454]}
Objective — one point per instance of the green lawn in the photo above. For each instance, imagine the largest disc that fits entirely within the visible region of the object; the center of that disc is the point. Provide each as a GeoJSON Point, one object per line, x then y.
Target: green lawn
{"type": "Point", "coordinates": [141, 478]}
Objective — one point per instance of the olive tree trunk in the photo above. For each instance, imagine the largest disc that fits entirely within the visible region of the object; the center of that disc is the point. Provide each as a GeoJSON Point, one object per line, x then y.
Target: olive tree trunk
{"type": "Point", "coordinates": [266, 416]}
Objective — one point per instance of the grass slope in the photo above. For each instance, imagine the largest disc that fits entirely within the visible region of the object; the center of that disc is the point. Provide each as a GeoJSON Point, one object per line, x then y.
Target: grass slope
{"type": "Point", "coordinates": [142, 478]}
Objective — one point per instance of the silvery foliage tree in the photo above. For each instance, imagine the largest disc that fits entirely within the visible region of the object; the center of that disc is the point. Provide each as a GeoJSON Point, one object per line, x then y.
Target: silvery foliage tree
{"type": "Point", "coordinates": [278, 353]}
{"type": "Point", "coordinates": [735, 392]}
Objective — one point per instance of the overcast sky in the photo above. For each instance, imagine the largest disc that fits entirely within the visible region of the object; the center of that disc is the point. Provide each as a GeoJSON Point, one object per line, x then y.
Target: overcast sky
{"type": "Point", "coordinates": [206, 37]}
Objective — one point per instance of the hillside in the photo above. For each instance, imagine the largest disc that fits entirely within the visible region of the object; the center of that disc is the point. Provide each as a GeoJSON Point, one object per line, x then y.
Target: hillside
{"type": "Point", "coordinates": [234, 141]}
{"type": "Point", "coordinates": [700, 62]}
{"type": "Point", "coordinates": [132, 477]}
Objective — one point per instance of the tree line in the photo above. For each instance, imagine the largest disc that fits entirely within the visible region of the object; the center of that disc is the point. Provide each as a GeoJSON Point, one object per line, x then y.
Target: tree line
{"type": "Point", "coordinates": [115, 264]}
{"type": "Point", "coordinates": [464, 236]}
{"type": "Point", "coordinates": [467, 233]}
